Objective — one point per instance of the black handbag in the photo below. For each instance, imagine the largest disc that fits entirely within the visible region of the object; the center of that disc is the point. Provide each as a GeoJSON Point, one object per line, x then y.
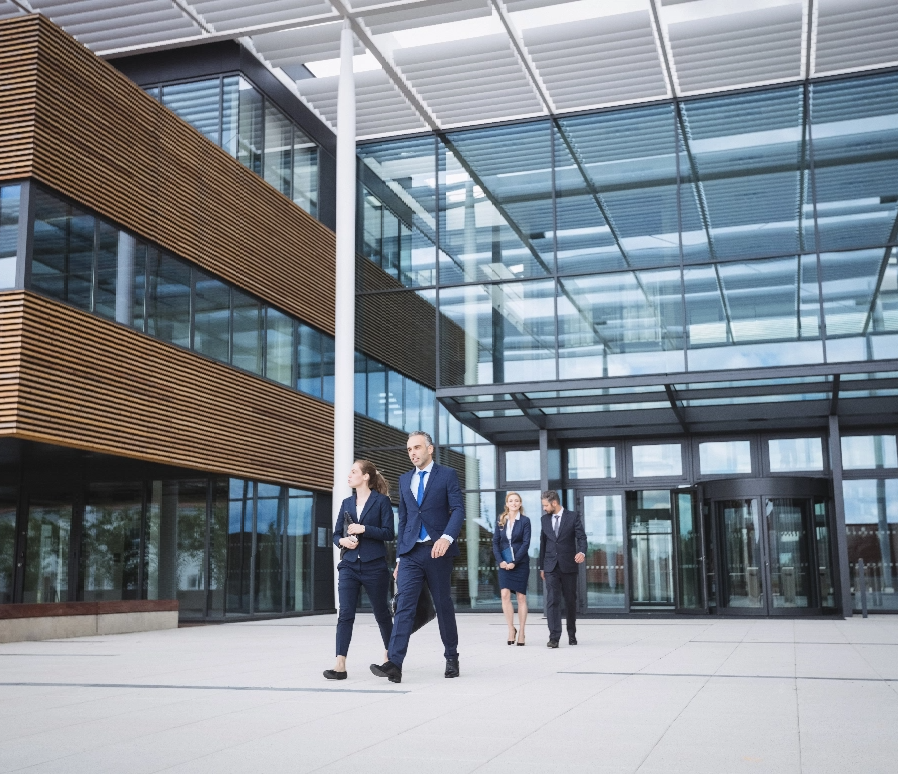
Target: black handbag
{"type": "Point", "coordinates": [347, 520]}
{"type": "Point", "coordinates": [424, 613]}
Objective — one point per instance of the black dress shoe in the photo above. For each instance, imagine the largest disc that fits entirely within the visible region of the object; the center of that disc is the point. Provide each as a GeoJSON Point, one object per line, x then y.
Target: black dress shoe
{"type": "Point", "coordinates": [332, 674]}
{"type": "Point", "coordinates": [389, 670]}
{"type": "Point", "coordinates": [452, 669]}
{"type": "Point", "coordinates": [552, 644]}
{"type": "Point", "coordinates": [572, 639]}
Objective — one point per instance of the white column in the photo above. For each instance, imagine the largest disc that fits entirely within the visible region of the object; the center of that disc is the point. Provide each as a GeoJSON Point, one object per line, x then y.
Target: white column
{"type": "Point", "coordinates": [344, 323]}
{"type": "Point", "coordinates": [124, 279]}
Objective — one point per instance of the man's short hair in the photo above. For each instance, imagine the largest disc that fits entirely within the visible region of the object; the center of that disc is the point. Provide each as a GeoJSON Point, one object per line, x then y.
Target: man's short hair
{"type": "Point", "coordinates": [421, 432]}
{"type": "Point", "coordinates": [551, 495]}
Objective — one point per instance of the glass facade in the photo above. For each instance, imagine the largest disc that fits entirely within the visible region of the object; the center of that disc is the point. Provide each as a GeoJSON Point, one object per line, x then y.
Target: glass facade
{"type": "Point", "coordinates": [734, 231]}
{"type": "Point", "coordinates": [234, 114]}
{"type": "Point", "coordinates": [110, 529]}
{"type": "Point", "coordinates": [9, 234]}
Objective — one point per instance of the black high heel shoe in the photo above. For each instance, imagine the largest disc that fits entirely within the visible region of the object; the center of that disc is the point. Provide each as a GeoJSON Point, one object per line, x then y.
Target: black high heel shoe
{"type": "Point", "coordinates": [521, 644]}
{"type": "Point", "coordinates": [511, 642]}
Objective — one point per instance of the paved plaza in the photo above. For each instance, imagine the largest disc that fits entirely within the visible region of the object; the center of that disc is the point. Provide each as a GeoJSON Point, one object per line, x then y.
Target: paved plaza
{"type": "Point", "coordinates": [635, 696]}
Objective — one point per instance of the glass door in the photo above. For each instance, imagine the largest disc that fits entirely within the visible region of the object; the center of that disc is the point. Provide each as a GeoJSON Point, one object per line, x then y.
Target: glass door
{"type": "Point", "coordinates": [650, 532]}
{"type": "Point", "coordinates": [788, 554]}
{"type": "Point", "coordinates": [48, 551]}
{"type": "Point", "coordinates": [605, 573]}
{"type": "Point", "coordinates": [742, 578]}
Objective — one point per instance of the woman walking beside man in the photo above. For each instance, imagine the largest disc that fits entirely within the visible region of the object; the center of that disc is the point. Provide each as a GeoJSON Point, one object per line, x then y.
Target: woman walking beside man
{"type": "Point", "coordinates": [511, 544]}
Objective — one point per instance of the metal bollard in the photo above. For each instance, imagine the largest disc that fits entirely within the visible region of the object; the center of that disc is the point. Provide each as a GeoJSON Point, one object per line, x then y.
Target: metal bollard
{"type": "Point", "coordinates": [862, 582]}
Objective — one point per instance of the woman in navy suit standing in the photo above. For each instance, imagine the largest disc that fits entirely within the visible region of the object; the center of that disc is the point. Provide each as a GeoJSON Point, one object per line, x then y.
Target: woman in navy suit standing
{"type": "Point", "coordinates": [511, 543]}
{"type": "Point", "coordinates": [364, 562]}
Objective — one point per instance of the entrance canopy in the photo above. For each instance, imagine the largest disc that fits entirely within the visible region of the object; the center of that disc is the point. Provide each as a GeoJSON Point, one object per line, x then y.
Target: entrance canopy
{"type": "Point", "coordinates": [674, 404]}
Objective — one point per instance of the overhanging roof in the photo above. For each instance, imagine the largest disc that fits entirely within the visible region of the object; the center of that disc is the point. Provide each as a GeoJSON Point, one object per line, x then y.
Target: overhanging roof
{"type": "Point", "coordinates": [754, 400]}
{"type": "Point", "coordinates": [436, 64]}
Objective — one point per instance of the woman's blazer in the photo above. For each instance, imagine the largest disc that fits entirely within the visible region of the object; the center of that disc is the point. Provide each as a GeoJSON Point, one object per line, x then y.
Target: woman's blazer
{"type": "Point", "coordinates": [520, 540]}
{"type": "Point", "coordinates": [377, 518]}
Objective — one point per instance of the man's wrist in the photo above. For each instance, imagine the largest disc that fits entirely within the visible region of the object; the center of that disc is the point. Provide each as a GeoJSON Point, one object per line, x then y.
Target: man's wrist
{"type": "Point", "coordinates": [448, 537]}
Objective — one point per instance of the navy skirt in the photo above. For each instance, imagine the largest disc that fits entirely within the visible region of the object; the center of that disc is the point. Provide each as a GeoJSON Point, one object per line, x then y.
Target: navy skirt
{"type": "Point", "coordinates": [515, 579]}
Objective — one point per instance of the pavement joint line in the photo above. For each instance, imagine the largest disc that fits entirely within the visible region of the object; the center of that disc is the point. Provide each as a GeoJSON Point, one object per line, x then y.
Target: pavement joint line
{"type": "Point", "coordinates": [786, 642]}
{"type": "Point", "coordinates": [744, 677]}
{"type": "Point", "coordinates": [62, 655]}
{"type": "Point", "coordinates": [199, 687]}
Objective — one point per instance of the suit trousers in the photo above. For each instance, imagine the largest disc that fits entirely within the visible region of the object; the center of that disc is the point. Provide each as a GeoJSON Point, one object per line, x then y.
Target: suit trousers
{"type": "Point", "coordinates": [416, 568]}
{"type": "Point", "coordinates": [561, 585]}
{"type": "Point", "coordinates": [375, 577]}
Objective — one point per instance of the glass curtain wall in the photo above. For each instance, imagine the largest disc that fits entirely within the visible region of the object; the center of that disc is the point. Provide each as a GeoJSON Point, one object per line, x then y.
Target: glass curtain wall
{"type": "Point", "coordinates": [9, 234]}
{"type": "Point", "coordinates": [233, 114]}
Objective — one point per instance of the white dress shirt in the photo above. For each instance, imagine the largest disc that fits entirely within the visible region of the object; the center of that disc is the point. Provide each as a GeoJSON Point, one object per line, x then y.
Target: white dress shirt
{"type": "Point", "coordinates": [413, 486]}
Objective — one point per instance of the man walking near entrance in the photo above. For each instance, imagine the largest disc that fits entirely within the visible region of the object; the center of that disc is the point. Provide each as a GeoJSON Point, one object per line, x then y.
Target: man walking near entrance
{"type": "Point", "coordinates": [431, 514]}
{"type": "Point", "coordinates": [562, 546]}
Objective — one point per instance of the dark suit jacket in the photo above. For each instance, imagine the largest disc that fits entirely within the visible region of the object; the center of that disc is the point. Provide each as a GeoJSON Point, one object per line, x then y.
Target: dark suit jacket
{"type": "Point", "coordinates": [377, 516]}
{"type": "Point", "coordinates": [442, 510]}
{"type": "Point", "coordinates": [558, 553]}
{"type": "Point", "coordinates": [520, 540]}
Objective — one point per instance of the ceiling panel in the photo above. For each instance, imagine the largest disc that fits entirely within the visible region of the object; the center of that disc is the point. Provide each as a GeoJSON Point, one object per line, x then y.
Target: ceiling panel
{"type": "Point", "coordinates": [853, 34]}
{"type": "Point", "coordinates": [380, 107]}
{"type": "Point", "coordinates": [8, 9]}
{"type": "Point", "coordinates": [234, 14]}
{"type": "Point", "coordinates": [735, 49]}
{"type": "Point", "coordinates": [598, 61]}
{"type": "Point", "coordinates": [443, 12]}
{"type": "Point", "coordinates": [305, 44]}
{"type": "Point", "coordinates": [467, 81]}
{"type": "Point", "coordinates": [106, 24]}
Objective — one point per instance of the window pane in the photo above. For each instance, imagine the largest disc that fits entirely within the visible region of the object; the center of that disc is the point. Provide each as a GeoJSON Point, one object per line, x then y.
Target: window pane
{"type": "Point", "coordinates": [745, 159]}
{"type": "Point", "coordinates": [855, 144]}
{"type": "Point", "coordinates": [476, 465]}
{"type": "Point", "coordinates": [718, 457]}
{"type": "Point", "coordinates": [309, 359]}
{"type": "Point", "coordinates": [249, 127]}
{"type": "Point", "coordinates": [230, 112]}
{"type": "Point", "coordinates": [298, 560]}
{"type": "Point", "coordinates": [500, 225]}
{"type": "Point", "coordinates": [395, 399]}
{"type": "Point", "coordinates": [9, 234]}
{"type": "Point", "coordinates": [628, 158]}
{"type": "Point", "coordinates": [218, 547]}
{"type": "Point", "coordinates": [361, 383]}
{"type": "Point", "coordinates": [107, 270]}
{"type": "Point", "coordinates": [757, 313]}
{"type": "Point", "coordinates": [327, 347]}
{"type": "Point", "coordinates": [241, 511]}
{"type": "Point", "coordinates": [871, 520]}
{"type": "Point", "coordinates": [246, 348]}
{"type": "Point", "coordinates": [110, 542]}
{"type": "Point", "coordinates": [269, 545]}
{"type": "Point", "coordinates": [657, 460]}
{"type": "Point", "coordinates": [522, 465]}
{"type": "Point", "coordinates": [278, 150]}
{"type": "Point", "coordinates": [138, 311]}
{"type": "Point", "coordinates": [597, 462]}
{"type": "Point", "coordinates": [787, 454]}
{"type": "Point", "coordinates": [168, 298]}
{"type": "Point", "coordinates": [305, 172]}
{"type": "Point", "coordinates": [63, 246]}
{"type": "Point", "coordinates": [279, 347]}
{"type": "Point", "coordinates": [8, 503]}
{"type": "Point", "coordinates": [47, 551]}
{"type": "Point", "coordinates": [211, 317]}
{"type": "Point", "coordinates": [176, 544]}
{"type": "Point", "coordinates": [198, 103]}
{"type": "Point", "coordinates": [377, 391]}
{"type": "Point", "coordinates": [498, 333]}
{"type": "Point", "coordinates": [869, 452]}
{"type": "Point", "coordinates": [619, 324]}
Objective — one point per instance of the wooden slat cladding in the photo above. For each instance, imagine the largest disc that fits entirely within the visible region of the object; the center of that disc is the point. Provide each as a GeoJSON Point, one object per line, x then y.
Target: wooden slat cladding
{"type": "Point", "coordinates": [73, 122]}
{"type": "Point", "coordinates": [72, 379]}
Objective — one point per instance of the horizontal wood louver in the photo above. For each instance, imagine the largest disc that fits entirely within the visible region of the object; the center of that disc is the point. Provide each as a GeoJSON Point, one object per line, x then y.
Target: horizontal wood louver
{"type": "Point", "coordinates": [76, 124]}
{"type": "Point", "coordinates": [73, 379]}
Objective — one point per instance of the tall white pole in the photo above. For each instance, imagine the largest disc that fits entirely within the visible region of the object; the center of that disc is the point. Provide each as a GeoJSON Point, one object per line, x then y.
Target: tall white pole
{"type": "Point", "coordinates": [344, 323]}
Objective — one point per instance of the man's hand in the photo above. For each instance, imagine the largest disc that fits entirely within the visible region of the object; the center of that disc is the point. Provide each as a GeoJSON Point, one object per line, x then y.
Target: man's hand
{"type": "Point", "coordinates": [396, 572]}
{"type": "Point", "coordinates": [356, 529]}
{"type": "Point", "coordinates": [580, 558]}
{"type": "Point", "coordinates": [542, 575]}
{"type": "Point", "coordinates": [440, 548]}
{"type": "Point", "coordinates": [349, 542]}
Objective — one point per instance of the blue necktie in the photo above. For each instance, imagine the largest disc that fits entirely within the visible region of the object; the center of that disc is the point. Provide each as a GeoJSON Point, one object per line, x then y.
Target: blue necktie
{"type": "Point", "coordinates": [423, 534]}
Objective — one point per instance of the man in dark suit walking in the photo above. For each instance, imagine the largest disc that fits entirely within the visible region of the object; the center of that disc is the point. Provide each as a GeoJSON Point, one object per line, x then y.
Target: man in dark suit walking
{"type": "Point", "coordinates": [562, 546]}
{"type": "Point", "coordinates": [431, 514]}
